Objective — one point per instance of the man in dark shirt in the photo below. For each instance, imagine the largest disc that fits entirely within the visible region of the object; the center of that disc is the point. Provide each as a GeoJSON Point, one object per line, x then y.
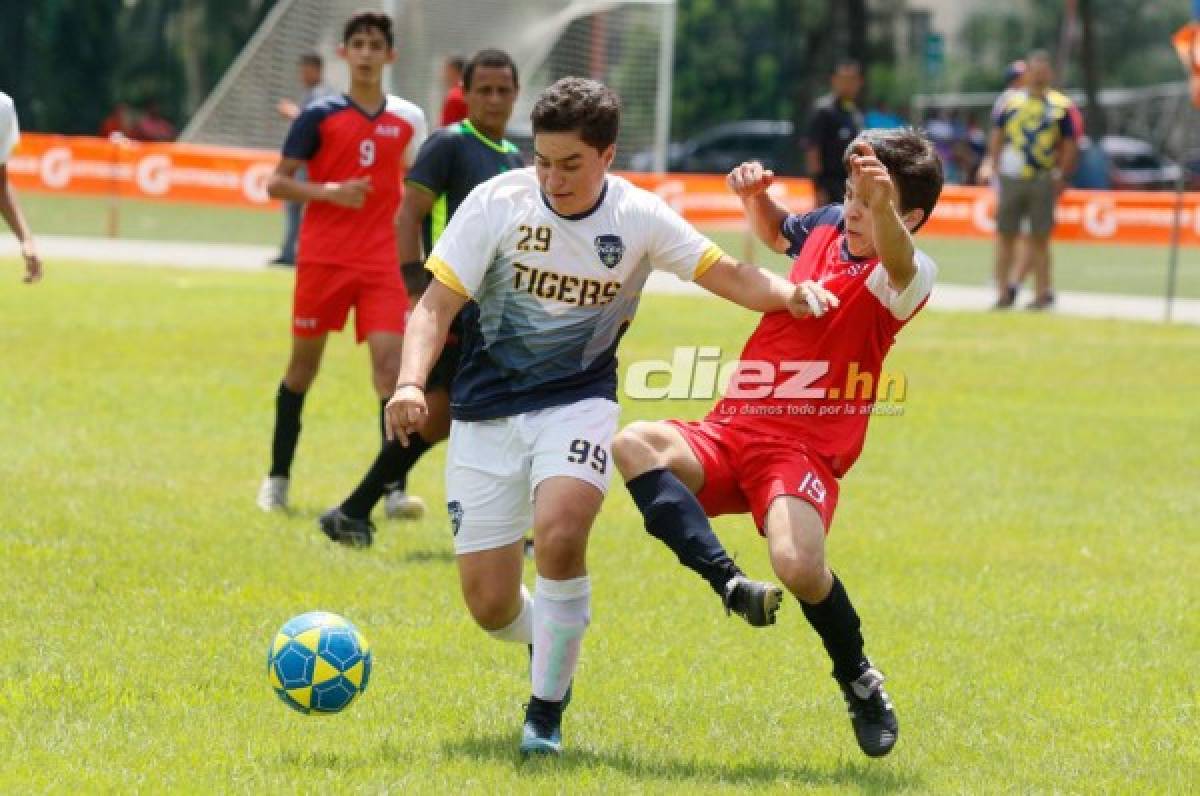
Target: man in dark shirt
{"type": "Point", "coordinates": [835, 123]}
{"type": "Point", "coordinates": [451, 162]}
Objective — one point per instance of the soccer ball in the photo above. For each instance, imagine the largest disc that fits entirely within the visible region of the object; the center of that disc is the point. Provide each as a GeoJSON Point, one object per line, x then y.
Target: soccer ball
{"type": "Point", "coordinates": [318, 663]}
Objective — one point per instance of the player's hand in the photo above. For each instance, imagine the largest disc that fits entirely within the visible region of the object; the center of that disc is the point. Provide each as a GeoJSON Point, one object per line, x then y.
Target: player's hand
{"type": "Point", "coordinates": [287, 109]}
{"type": "Point", "coordinates": [870, 179]}
{"type": "Point", "coordinates": [986, 172]}
{"type": "Point", "coordinates": [406, 412]}
{"type": "Point", "coordinates": [811, 300]}
{"type": "Point", "coordinates": [352, 193]}
{"type": "Point", "coordinates": [33, 263]}
{"type": "Point", "coordinates": [749, 179]}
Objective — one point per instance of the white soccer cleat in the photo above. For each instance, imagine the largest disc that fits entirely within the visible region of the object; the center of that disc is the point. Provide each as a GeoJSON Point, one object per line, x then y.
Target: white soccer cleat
{"type": "Point", "coordinates": [273, 494]}
{"type": "Point", "coordinates": [398, 505]}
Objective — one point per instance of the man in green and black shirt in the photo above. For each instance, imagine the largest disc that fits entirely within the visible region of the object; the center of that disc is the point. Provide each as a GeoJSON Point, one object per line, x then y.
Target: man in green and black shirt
{"type": "Point", "coordinates": [451, 162]}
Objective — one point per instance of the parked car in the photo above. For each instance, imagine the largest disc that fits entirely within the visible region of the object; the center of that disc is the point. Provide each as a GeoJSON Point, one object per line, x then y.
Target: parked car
{"type": "Point", "coordinates": [1134, 164]}
{"type": "Point", "coordinates": [718, 149]}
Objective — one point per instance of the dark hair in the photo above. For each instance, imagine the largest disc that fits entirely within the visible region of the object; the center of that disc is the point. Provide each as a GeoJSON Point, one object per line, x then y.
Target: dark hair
{"type": "Point", "coordinates": [363, 21]}
{"type": "Point", "coordinates": [457, 61]}
{"type": "Point", "coordinates": [576, 104]}
{"type": "Point", "coordinates": [312, 59]}
{"type": "Point", "coordinates": [912, 161]}
{"type": "Point", "coordinates": [491, 59]}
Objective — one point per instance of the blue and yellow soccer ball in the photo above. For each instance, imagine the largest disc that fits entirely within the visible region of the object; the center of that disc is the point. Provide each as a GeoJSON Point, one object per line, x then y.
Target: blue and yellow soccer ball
{"type": "Point", "coordinates": [318, 663]}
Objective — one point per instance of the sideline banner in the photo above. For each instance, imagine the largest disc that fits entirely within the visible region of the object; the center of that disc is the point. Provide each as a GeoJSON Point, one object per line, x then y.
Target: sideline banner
{"type": "Point", "coordinates": [135, 170]}
{"type": "Point", "coordinates": [238, 178]}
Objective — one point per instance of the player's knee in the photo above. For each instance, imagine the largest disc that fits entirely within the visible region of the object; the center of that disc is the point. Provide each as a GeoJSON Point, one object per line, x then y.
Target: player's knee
{"type": "Point", "coordinates": [804, 574]}
{"type": "Point", "coordinates": [560, 547]}
{"type": "Point", "coordinates": [491, 608]}
{"type": "Point", "coordinates": [300, 375]}
{"type": "Point", "coordinates": [385, 383]}
{"type": "Point", "coordinates": [635, 450]}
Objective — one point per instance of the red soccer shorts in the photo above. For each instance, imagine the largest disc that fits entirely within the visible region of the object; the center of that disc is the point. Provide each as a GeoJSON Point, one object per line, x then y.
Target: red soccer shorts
{"type": "Point", "coordinates": [325, 293]}
{"type": "Point", "coordinates": [745, 471]}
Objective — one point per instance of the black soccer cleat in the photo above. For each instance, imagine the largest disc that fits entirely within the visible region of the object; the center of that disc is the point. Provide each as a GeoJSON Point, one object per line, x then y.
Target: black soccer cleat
{"type": "Point", "coordinates": [871, 713]}
{"type": "Point", "coordinates": [347, 530]}
{"type": "Point", "coordinates": [753, 600]}
{"type": "Point", "coordinates": [541, 733]}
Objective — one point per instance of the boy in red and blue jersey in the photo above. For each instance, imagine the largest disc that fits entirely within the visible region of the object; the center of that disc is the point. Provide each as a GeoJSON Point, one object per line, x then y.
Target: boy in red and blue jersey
{"type": "Point", "coordinates": [786, 430]}
{"type": "Point", "coordinates": [356, 148]}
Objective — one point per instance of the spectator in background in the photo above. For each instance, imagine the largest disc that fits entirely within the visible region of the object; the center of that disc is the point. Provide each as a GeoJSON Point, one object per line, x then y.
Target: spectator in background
{"type": "Point", "coordinates": [311, 73]}
{"type": "Point", "coordinates": [1032, 151]}
{"type": "Point", "coordinates": [1014, 80]}
{"type": "Point", "coordinates": [836, 121]}
{"type": "Point", "coordinates": [881, 117]}
{"type": "Point", "coordinates": [10, 134]}
{"type": "Point", "coordinates": [152, 125]}
{"type": "Point", "coordinates": [454, 108]}
{"type": "Point", "coordinates": [118, 123]}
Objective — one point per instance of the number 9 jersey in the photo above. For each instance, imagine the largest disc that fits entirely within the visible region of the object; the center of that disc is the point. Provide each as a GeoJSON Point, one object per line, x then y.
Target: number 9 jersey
{"type": "Point", "coordinates": [341, 141]}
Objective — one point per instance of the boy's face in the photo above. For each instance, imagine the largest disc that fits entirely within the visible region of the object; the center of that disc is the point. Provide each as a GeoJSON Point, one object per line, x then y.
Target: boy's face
{"type": "Point", "coordinates": [491, 97]}
{"type": "Point", "coordinates": [570, 171]}
{"type": "Point", "coordinates": [366, 52]}
{"type": "Point", "coordinates": [860, 231]}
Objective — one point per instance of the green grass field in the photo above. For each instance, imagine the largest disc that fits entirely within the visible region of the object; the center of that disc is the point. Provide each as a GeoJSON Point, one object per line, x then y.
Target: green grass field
{"type": "Point", "coordinates": [1135, 270]}
{"type": "Point", "coordinates": [1021, 545]}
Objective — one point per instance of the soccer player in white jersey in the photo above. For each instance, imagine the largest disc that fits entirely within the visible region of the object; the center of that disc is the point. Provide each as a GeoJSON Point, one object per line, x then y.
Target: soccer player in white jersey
{"type": "Point", "coordinates": [10, 134]}
{"type": "Point", "coordinates": [547, 265]}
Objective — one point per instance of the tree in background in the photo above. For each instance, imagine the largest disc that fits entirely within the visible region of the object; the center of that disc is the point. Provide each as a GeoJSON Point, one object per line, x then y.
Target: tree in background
{"type": "Point", "coordinates": [1132, 46]}
{"type": "Point", "coordinates": [67, 62]}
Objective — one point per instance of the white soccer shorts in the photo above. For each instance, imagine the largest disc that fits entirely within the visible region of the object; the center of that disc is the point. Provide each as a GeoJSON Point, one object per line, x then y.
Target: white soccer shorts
{"type": "Point", "coordinates": [493, 467]}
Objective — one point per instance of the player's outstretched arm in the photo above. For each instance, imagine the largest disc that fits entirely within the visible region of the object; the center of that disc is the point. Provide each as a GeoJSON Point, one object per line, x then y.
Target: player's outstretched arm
{"type": "Point", "coordinates": [11, 212]}
{"type": "Point", "coordinates": [283, 185]}
{"type": "Point", "coordinates": [871, 183]}
{"type": "Point", "coordinates": [423, 342]}
{"type": "Point", "coordinates": [750, 182]}
{"type": "Point", "coordinates": [763, 291]}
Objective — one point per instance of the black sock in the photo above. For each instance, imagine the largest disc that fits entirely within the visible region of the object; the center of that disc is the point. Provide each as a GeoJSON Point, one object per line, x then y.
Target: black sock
{"type": "Point", "coordinates": [383, 440]}
{"type": "Point", "coordinates": [837, 624]}
{"type": "Point", "coordinates": [288, 405]}
{"type": "Point", "coordinates": [391, 466]}
{"type": "Point", "coordinates": [673, 515]}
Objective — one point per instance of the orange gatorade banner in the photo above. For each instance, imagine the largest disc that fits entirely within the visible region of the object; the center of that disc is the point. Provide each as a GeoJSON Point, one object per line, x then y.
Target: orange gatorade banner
{"type": "Point", "coordinates": [130, 169]}
{"type": "Point", "coordinates": [964, 211]}
{"type": "Point", "coordinates": [238, 177]}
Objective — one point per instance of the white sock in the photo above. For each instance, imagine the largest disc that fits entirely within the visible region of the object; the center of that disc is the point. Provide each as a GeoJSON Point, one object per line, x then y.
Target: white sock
{"type": "Point", "coordinates": [520, 629]}
{"type": "Point", "coordinates": [561, 612]}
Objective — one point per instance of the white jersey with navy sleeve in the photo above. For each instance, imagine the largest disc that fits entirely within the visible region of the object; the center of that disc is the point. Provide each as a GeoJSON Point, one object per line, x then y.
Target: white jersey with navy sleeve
{"type": "Point", "coordinates": [550, 296]}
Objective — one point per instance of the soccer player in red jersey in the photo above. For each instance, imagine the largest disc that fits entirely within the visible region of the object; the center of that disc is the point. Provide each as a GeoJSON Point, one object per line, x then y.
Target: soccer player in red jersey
{"type": "Point", "coordinates": [356, 147]}
{"type": "Point", "coordinates": [784, 432]}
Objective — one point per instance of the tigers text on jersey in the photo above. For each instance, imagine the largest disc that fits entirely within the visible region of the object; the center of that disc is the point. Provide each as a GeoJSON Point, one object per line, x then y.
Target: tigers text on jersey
{"type": "Point", "coordinates": [824, 371]}
{"type": "Point", "coordinates": [340, 141]}
{"type": "Point", "coordinates": [550, 296]}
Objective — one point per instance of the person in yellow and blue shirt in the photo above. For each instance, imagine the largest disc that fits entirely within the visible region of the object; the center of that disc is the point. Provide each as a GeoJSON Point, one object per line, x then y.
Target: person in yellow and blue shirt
{"type": "Point", "coordinates": [1032, 151]}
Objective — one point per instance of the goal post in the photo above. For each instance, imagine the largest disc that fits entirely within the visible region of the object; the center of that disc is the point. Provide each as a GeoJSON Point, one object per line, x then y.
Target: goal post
{"type": "Point", "coordinates": [627, 44]}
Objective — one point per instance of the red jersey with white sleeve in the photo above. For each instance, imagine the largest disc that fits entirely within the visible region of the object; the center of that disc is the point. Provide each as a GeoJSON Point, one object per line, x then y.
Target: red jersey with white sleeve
{"type": "Point", "coordinates": [814, 380]}
{"type": "Point", "coordinates": [340, 141]}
